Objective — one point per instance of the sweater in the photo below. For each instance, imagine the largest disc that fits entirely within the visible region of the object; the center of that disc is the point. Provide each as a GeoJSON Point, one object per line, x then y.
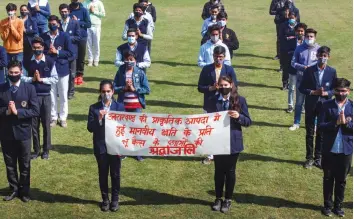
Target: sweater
{"type": "Point", "coordinates": [12, 35]}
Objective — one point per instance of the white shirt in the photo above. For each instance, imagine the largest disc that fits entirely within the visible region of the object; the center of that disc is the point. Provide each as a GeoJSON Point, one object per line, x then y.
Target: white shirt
{"type": "Point", "coordinates": [206, 53]}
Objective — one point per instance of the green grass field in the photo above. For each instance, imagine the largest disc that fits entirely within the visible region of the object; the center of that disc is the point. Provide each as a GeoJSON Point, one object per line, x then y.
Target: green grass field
{"type": "Point", "coordinates": [271, 183]}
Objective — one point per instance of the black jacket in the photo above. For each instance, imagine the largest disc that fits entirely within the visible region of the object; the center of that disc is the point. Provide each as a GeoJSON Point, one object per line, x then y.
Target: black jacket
{"type": "Point", "coordinates": [278, 7]}
{"type": "Point", "coordinates": [151, 9]}
{"type": "Point", "coordinates": [206, 9]}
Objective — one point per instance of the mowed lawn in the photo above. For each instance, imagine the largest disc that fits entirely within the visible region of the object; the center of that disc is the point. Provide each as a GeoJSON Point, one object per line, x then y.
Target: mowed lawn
{"type": "Point", "coordinates": [271, 183]}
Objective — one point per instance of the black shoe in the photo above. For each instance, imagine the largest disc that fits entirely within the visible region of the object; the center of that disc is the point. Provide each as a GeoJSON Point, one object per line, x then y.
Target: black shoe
{"type": "Point", "coordinates": [326, 211]}
{"type": "Point", "coordinates": [308, 163]}
{"type": "Point", "coordinates": [226, 205]}
{"type": "Point", "coordinates": [34, 156]}
{"type": "Point", "coordinates": [338, 211]}
{"type": "Point", "coordinates": [114, 206]}
{"type": "Point", "coordinates": [11, 196]}
{"type": "Point", "coordinates": [70, 96]}
{"type": "Point", "coordinates": [317, 163]}
{"type": "Point", "coordinates": [140, 158]}
{"type": "Point", "coordinates": [285, 86]}
{"type": "Point", "coordinates": [45, 155]}
{"type": "Point", "coordinates": [216, 206]}
{"type": "Point", "coordinates": [104, 205]}
{"type": "Point", "coordinates": [25, 198]}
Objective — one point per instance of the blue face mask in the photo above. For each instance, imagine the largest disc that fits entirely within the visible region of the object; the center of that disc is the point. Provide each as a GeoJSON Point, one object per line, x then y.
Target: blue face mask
{"type": "Point", "coordinates": [53, 27]}
{"type": "Point", "coordinates": [131, 40]}
{"type": "Point", "coordinates": [222, 23]}
{"type": "Point", "coordinates": [130, 63]}
{"type": "Point", "coordinates": [292, 22]}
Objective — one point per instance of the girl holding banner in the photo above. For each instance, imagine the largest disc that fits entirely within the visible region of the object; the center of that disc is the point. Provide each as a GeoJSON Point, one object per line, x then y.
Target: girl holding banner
{"type": "Point", "coordinates": [225, 165]}
{"type": "Point", "coordinates": [106, 163]}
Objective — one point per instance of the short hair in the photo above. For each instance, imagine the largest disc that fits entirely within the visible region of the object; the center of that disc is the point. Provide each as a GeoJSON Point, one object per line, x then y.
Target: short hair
{"type": "Point", "coordinates": [63, 6]}
{"type": "Point", "coordinates": [131, 30]}
{"type": "Point", "coordinates": [217, 6]}
{"type": "Point", "coordinates": [323, 49]}
{"type": "Point", "coordinates": [341, 83]}
{"type": "Point", "coordinates": [138, 5]}
{"type": "Point", "coordinates": [219, 50]}
{"type": "Point", "coordinates": [129, 53]}
{"type": "Point", "coordinates": [213, 28]}
{"type": "Point", "coordinates": [141, 1]}
{"type": "Point", "coordinates": [53, 18]}
{"type": "Point", "coordinates": [37, 39]}
{"type": "Point", "coordinates": [14, 63]}
{"type": "Point", "coordinates": [11, 7]}
{"type": "Point", "coordinates": [310, 30]}
{"type": "Point", "coordinates": [23, 6]}
{"type": "Point", "coordinates": [222, 14]}
{"type": "Point", "coordinates": [292, 13]}
{"type": "Point", "coordinates": [301, 25]}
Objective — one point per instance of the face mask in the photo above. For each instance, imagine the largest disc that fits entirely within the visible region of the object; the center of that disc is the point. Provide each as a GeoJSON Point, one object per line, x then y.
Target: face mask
{"type": "Point", "coordinates": [37, 52]}
{"type": "Point", "coordinates": [11, 13]}
{"type": "Point", "coordinates": [213, 17]}
{"type": "Point", "coordinates": [106, 97]}
{"type": "Point", "coordinates": [214, 38]}
{"type": "Point", "coordinates": [225, 90]}
{"type": "Point", "coordinates": [131, 40]}
{"type": "Point", "coordinates": [130, 63]}
{"type": "Point", "coordinates": [300, 37]}
{"type": "Point", "coordinates": [310, 42]}
{"type": "Point", "coordinates": [340, 97]}
{"type": "Point", "coordinates": [292, 22]}
{"type": "Point", "coordinates": [220, 62]}
{"type": "Point", "coordinates": [64, 16]}
{"type": "Point", "coordinates": [24, 14]}
{"type": "Point", "coordinates": [53, 27]}
{"type": "Point", "coordinates": [222, 23]}
{"type": "Point", "coordinates": [138, 14]}
{"type": "Point", "coordinates": [14, 78]}
{"type": "Point", "coordinates": [321, 61]}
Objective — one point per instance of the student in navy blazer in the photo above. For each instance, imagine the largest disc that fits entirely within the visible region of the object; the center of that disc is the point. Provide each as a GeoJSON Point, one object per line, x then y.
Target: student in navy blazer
{"type": "Point", "coordinates": [18, 105]}
{"type": "Point", "coordinates": [225, 165]}
{"type": "Point", "coordinates": [3, 64]}
{"type": "Point", "coordinates": [336, 124]}
{"type": "Point", "coordinates": [57, 45]}
{"type": "Point", "coordinates": [72, 27]}
{"type": "Point", "coordinates": [317, 85]}
{"type": "Point", "coordinates": [30, 31]}
{"type": "Point", "coordinates": [210, 75]}
{"type": "Point", "coordinates": [106, 163]}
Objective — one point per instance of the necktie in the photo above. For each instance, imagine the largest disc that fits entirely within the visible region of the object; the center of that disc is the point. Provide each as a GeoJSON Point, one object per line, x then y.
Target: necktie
{"type": "Point", "coordinates": [225, 105]}
{"type": "Point", "coordinates": [13, 88]}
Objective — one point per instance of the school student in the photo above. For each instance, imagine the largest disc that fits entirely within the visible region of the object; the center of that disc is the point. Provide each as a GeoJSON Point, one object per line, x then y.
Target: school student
{"type": "Point", "coordinates": [214, 11]}
{"type": "Point", "coordinates": [106, 163]}
{"type": "Point", "coordinates": [317, 85]}
{"type": "Point", "coordinates": [229, 100]}
{"type": "Point", "coordinates": [3, 64]}
{"type": "Point", "coordinates": [305, 56]}
{"type": "Point", "coordinates": [208, 5]}
{"type": "Point", "coordinates": [40, 11]}
{"type": "Point", "coordinates": [336, 123]}
{"type": "Point", "coordinates": [150, 8]}
{"type": "Point", "coordinates": [131, 85]}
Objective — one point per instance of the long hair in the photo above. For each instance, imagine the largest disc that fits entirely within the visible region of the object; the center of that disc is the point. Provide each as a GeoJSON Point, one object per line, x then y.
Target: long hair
{"type": "Point", "coordinates": [234, 97]}
{"type": "Point", "coordinates": [103, 83]}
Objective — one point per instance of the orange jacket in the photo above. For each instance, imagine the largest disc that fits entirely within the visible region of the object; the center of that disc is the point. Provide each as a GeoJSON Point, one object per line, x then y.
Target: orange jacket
{"type": "Point", "coordinates": [12, 35]}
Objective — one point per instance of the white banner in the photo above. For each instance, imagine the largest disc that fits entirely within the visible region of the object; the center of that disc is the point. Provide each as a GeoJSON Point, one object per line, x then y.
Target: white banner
{"type": "Point", "coordinates": [146, 134]}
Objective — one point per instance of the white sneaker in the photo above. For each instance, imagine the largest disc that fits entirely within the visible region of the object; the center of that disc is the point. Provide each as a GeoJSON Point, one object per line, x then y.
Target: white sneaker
{"type": "Point", "coordinates": [89, 64]}
{"type": "Point", "coordinates": [95, 63]}
{"type": "Point", "coordinates": [294, 127]}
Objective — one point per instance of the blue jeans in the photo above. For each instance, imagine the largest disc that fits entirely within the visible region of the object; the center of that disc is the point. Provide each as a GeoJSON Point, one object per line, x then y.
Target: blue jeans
{"type": "Point", "coordinates": [291, 91]}
{"type": "Point", "coordinates": [42, 28]}
{"type": "Point", "coordinates": [15, 56]}
{"type": "Point", "coordinates": [300, 100]}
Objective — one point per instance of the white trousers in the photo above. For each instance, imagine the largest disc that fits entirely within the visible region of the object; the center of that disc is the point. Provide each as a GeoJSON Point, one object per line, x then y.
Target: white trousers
{"type": "Point", "coordinates": [60, 88]}
{"type": "Point", "coordinates": [211, 157]}
{"type": "Point", "coordinates": [93, 43]}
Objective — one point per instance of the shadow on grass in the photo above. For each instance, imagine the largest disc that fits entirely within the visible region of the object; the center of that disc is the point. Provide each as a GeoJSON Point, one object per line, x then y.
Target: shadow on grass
{"type": "Point", "coordinates": [171, 104]}
{"type": "Point", "coordinates": [105, 62]}
{"type": "Point", "coordinates": [150, 197]}
{"type": "Point", "coordinates": [90, 79]}
{"type": "Point", "coordinates": [70, 149]}
{"type": "Point", "coordinates": [247, 84]}
{"type": "Point", "coordinates": [87, 90]}
{"type": "Point", "coordinates": [174, 64]}
{"type": "Point", "coordinates": [77, 117]}
{"type": "Point", "coordinates": [257, 123]}
{"type": "Point", "coordinates": [173, 83]}
{"type": "Point", "coordinates": [245, 198]}
{"type": "Point", "coordinates": [263, 107]}
{"type": "Point", "coordinates": [43, 196]}
{"type": "Point", "coordinates": [251, 55]}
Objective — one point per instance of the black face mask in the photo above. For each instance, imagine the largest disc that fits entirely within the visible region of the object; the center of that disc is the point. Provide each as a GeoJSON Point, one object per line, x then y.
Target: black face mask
{"type": "Point", "coordinates": [75, 4]}
{"type": "Point", "coordinates": [24, 14]}
{"type": "Point", "coordinates": [138, 14]}
{"type": "Point", "coordinates": [14, 78]}
{"type": "Point", "coordinates": [341, 98]}
{"type": "Point", "coordinates": [225, 90]}
{"type": "Point", "coordinates": [64, 16]}
{"type": "Point", "coordinates": [37, 52]}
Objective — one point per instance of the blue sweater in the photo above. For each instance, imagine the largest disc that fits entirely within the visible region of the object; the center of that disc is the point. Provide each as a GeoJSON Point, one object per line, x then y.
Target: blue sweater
{"type": "Point", "coordinates": [83, 17]}
{"type": "Point", "coordinates": [40, 16]}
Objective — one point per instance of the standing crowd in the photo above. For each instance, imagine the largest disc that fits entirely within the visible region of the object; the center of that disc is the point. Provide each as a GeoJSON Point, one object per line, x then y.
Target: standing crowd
{"type": "Point", "coordinates": [42, 60]}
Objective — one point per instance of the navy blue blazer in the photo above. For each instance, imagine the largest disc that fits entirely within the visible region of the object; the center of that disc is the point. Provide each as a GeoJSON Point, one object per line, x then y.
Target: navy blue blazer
{"type": "Point", "coordinates": [3, 64]}
{"type": "Point", "coordinates": [73, 29]}
{"type": "Point", "coordinates": [93, 125]}
{"type": "Point", "coordinates": [207, 78]}
{"type": "Point", "coordinates": [66, 51]}
{"type": "Point", "coordinates": [327, 124]}
{"type": "Point", "coordinates": [235, 124]}
{"type": "Point", "coordinates": [309, 83]}
{"type": "Point", "coordinates": [18, 127]}
{"type": "Point", "coordinates": [31, 30]}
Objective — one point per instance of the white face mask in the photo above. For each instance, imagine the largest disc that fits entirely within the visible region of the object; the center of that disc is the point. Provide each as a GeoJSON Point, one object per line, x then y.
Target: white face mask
{"type": "Point", "coordinates": [106, 97]}
{"type": "Point", "coordinates": [131, 40]}
{"type": "Point", "coordinates": [222, 23]}
{"type": "Point", "coordinates": [214, 38]}
{"type": "Point", "coordinates": [11, 13]}
{"type": "Point", "coordinates": [310, 42]}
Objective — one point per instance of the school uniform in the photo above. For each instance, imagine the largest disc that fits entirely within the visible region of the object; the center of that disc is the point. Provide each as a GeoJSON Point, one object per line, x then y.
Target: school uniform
{"type": "Point", "coordinates": [143, 60]}
{"type": "Point", "coordinates": [31, 31]}
{"type": "Point", "coordinates": [106, 162]}
{"type": "Point", "coordinates": [3, 64]}
{"type": "Point", "coordinates": [62, 43]}
{"type": "Point", "coordinates": [337, 150]}
{"type": "Point", "coordinates": [143, 25]}
{"type": "Point", "coordinates": [208, 77]}
{"type": "Point", "coordinates": [16, 133]}
{"type": "Point", "coordinates": [225, 165]}
{"type": "Point", "coordinates": [72, 27]}
{"type": "Point", "coordinates": [206, 53]}
{"type": "Point", "coordinates": [40, 16]}
{"type": "Point", "coordinates": [206, 9]}
{"type": "Point", "coordinates": [314, 79]}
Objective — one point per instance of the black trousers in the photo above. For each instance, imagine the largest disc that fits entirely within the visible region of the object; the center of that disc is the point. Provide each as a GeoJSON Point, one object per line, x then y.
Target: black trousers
{"type": "Point", "coordinates": [335, 168]}
{"type": "Point", "coordinates": [225, 174]}
{"type": "Point", "coordinates": [18, 151]}
{"type": "Point", "coordinates": [278, 41]}
{"type": "Point", "coordinates": [80, 61]}
{"type": "Point", "coordinates": [45, 106]}
{"type": "Point", "coordinates": [72, 76]}
{"type": "Point", "coordinates": [310, 116]}
{"type": "Point", "coordinates": [109, 163]}
{"type": "Point", "coordinates": [285, 62]}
